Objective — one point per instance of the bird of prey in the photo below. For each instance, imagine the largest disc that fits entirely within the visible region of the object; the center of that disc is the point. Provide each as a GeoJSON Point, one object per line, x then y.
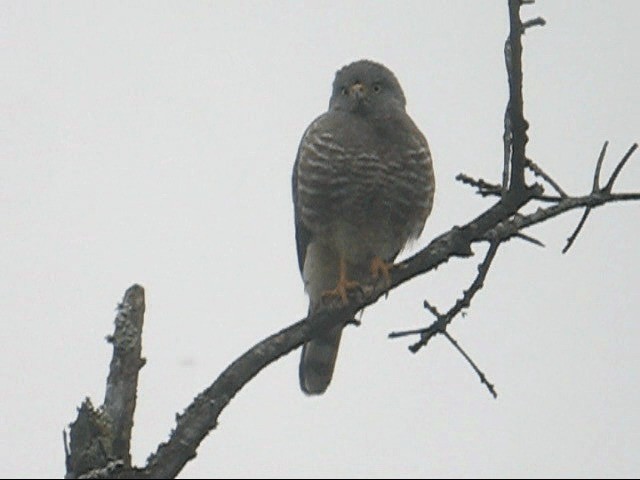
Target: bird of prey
{"type": "Point", "coordinates": [363, 187]}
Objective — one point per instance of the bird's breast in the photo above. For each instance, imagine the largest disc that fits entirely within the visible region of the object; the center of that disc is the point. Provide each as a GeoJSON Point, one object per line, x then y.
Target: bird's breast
{"type": "Point", "coordinates": [363, 193]}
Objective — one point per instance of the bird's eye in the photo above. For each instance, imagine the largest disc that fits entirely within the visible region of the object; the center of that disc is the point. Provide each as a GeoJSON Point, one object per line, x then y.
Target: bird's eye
{"type": "Point", "coordinates": [377, 88]}
{"type": "Point", "coordinates": [344, 91]}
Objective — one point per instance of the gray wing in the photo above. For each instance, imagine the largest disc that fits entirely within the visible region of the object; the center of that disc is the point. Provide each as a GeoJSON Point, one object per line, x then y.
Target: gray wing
{"type": "Point", "coordinates": [303, 234]}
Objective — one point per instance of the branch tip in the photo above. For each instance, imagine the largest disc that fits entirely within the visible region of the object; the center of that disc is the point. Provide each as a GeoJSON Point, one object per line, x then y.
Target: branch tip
{"type": "Point", "coordinates": [485, 188]}
{"type": "Point", "coordinates": [596, 175]}
{"type": "Point", "coordinates": [539, 172]}
{"type": "Point", "coordinates": [480, 373]}
{"type": "Point", "coordinates": [575, 233]}
{"type": "Point", "coordinates": [534, 22]}
{"type": "Point", "coordinates": [609, 186]}
{"type": "Point", "coordinates": [530, 239]}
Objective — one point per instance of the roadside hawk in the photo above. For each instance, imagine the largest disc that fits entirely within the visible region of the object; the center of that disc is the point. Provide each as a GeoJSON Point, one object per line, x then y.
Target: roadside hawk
{"type": "Point", "coordinates": [363, 186]}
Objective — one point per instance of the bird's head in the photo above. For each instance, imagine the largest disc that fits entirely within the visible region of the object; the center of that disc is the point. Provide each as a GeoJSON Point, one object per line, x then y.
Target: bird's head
{"type": "Point", "coordinates": [367, 88]}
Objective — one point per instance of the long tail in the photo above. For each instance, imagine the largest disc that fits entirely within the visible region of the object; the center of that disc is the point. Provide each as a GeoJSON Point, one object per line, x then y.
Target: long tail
{"type": "Point", "coordinates": [318, 361]}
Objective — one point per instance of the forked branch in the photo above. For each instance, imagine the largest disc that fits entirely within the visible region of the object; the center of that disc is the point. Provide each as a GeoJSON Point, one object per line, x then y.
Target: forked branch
{"type": "Point", "coordinates": [99, 439]}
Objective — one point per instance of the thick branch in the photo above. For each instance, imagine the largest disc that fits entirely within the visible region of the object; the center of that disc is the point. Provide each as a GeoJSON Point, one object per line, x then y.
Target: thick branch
{"type": "Point", "coordinates": [201, 416]}
{"type": "Point", "coordinates": [499, 223]}
{"type": "Point", "coordinates": [517, 123]}
{"type": "Point", "coordinates": [100, 438]}
{"type": "Point", "coordinates": [122, 383]}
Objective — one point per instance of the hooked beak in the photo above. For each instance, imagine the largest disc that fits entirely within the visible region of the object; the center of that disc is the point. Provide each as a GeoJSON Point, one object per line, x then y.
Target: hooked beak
{"type": "Point", "coordinates": [357, 90]}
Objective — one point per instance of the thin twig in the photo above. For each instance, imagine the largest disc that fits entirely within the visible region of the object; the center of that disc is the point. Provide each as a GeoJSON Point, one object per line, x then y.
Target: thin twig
{"type": "Point", "coordinates": [444, 319]}
{"type": "Point", "coordinates": [534, 22]}
{"type": "Point", "coordinates": [510, 227]}
{"type": "Point", "coordinates": [507, 136]}
{"type": "Point", "coordinates": [484, 188]}
{"type": "Point", "coordinates": [539, 172]}
{"type": "Point", "coordinates": [529, 238]}
{"type": "Point", "coordinates": [596, 187]}
{"type": "Point", "coordinates": [619, 167]}
{"type": "Point", "coordinates": [620, 197]}
{"type": "Point", "coordinates": [575, 233]}
{"type": "Point", "coordinates": [432, 308]}
{"type": "Point", "coordinates": [596, 175]}
{"type": "Point", "coordinates": [406, 333]}
{"type": "Point", "coordinates": [487, 189]}
{"type": "Point", "coordinates": [479, 372]}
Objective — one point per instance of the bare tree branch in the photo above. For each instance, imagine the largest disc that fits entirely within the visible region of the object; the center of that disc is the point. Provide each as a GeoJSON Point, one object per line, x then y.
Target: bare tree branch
{"type": "Point", "coordinates": [539, 172]}
{"type": "Point", "coordinates": [201, 416]}
{"type": "Point", "coordinates": [534, 22]}
{"type": "Point", "coordinates": [517, 122]}
{"type": "Point", "coordinates": [609, 186]}
{"type": "Point", "coordinates": [99, 436]}
{"type": "Point", "coordinates": [596, 190]}
{"type": "Point", "coordinates": [529, 238]}
{"type": "Point", "coordinates": [122, 383]}
{"type": "Point", "coordinates": [510, 227]}
{"type": "Point", "coordinates": [480, 373]}
{"type": "Point", "coordinates": [596, 175]}
{"type": "Point", "coordinates": [100, 439]}
{"type": "Point", "coordinates": [443, 320]}
{"type": "Point", "coordinates": [574, 235]}
{"type": "Point", "coordinates": [484, 188]}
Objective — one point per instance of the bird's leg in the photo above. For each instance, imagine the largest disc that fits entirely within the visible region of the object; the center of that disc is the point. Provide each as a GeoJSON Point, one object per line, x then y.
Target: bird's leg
{"type": "Point", "coordinates": [344, 284]}
{"type": "Point", "coordinates": [379, 266]}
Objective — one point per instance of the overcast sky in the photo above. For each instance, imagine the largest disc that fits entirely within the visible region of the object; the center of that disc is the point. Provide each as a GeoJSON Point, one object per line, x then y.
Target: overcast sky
{"type": "Point", "coordinates": [153, 142]}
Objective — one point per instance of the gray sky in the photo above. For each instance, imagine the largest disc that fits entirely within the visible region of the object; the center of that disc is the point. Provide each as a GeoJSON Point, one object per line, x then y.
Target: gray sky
{"type": "Point", "coordinates": [153, 143]}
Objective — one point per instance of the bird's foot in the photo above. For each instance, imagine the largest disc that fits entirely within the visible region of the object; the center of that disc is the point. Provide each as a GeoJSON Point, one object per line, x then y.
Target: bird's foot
{"type": "Point", "coordinates": [381, 268]}
{"type": "Point", "coordinates": [341, 290]}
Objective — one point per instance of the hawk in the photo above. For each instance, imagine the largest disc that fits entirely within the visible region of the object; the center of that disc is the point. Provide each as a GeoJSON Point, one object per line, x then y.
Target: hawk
{"type": "Point", "coordinates": [363, 187]}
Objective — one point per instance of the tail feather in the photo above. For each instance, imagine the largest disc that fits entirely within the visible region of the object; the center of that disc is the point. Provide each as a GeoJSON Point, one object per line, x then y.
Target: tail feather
{"type": "Point", "coordinates": [318, 361]}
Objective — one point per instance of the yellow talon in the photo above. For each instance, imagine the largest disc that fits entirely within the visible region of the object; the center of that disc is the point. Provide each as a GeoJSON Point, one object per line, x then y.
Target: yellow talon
{"type": "Point", "coordinates": [379, 266]}
{"type": "Point", "coordinates": [343, 286]}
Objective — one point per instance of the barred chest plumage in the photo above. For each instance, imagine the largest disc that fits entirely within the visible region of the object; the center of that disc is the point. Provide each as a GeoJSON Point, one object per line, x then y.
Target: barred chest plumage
{"type": "Point", "coordinates": [366, 187]}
